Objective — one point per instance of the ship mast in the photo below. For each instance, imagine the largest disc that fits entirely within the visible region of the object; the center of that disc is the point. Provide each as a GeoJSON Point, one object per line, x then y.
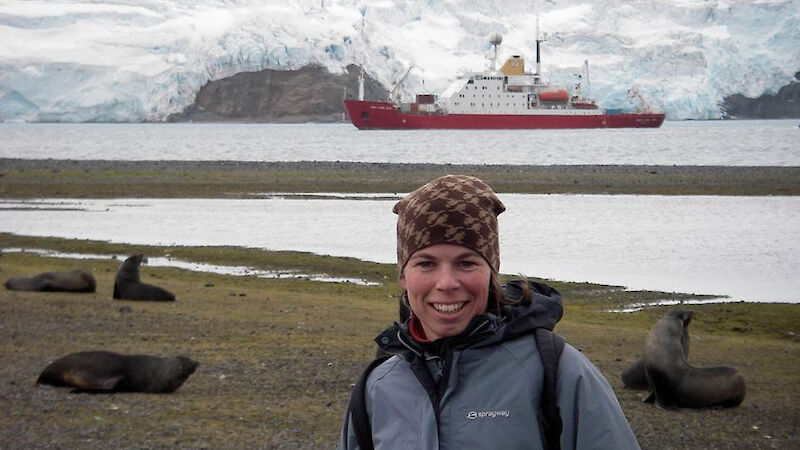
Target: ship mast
{"type": "Point", "coordinates": [539, 40]}
{"type": "Point", "coordinates": [495, 39]}
{"type": "Point", "coordinates": [361, 85]}
{"type": "Point", "coordinates": [588, 84]}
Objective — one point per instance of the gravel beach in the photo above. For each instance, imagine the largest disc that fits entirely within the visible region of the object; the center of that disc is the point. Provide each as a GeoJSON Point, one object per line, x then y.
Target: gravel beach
{"type": "Point", "coordinates": [63, 178]}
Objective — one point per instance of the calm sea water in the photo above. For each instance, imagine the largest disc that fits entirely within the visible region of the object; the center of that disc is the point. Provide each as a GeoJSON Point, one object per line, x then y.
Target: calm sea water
{"type": "Point", "coordinates": [745, 247]}
{"type": "Point", "coordinates": [726, 143]}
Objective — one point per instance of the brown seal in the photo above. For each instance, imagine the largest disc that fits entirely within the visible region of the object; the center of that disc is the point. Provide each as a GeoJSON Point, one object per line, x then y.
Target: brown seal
{"type": "Point", "coordinates": [75, 281]}
{"type": "Point", "coordinates": [128, 284]}
{"type": "Point", "coordinates": [100, 372]}
{"type": "Point", "coordinates": [673, 382]}
{"type": "Point", "coordinates": [634, 376]}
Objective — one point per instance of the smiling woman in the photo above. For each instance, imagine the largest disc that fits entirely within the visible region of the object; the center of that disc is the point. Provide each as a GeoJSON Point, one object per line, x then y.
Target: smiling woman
{"type": "Point", "coordinates": [447, 251]}
{"type": "Point", "coordinates": [444, 387]}
{"type": "Point", "coordinates": [446, 286]}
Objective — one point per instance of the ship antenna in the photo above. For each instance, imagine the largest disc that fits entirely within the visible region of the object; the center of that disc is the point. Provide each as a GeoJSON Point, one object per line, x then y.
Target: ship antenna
{"type": "Point", "coordinates": [495, 40]}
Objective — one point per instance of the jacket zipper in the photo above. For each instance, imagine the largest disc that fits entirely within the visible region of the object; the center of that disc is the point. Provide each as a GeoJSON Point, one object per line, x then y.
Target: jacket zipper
{"type": "Point", "coordinates": [444, 364]}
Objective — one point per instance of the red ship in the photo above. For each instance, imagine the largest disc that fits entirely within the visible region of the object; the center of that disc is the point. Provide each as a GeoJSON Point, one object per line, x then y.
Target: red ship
{"type": "Point", "coordinates": [506, 99]}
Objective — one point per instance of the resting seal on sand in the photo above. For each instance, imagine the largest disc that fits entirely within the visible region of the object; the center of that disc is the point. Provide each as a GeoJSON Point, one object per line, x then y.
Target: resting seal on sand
{"type": "Point", "coordinates": [128, 284]}
{"type": "Point", "coordinates": [74, 281]}
{"type": "Point", "coordinates": [100, 372]}
{"type": "Point", "coordinates": [674, 383]}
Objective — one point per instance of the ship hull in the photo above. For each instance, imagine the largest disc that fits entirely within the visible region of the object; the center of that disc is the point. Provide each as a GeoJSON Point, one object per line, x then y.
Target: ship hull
{"type": "Point", "coordinates": [367, 115]}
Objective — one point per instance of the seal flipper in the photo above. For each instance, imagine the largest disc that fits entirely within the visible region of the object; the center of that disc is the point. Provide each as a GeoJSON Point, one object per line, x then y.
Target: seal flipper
{"type": "Point", "coordinates": [98, 385]}
{"type": "Point", "coordinates": [662, 391]}
{"type": "Point", "coordinates": [86, 381]}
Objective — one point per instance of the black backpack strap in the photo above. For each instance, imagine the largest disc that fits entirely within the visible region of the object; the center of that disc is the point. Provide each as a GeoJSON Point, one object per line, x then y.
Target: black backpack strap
{"type": "Point", "coordinates": [357, 407]}
{"type": "Point", "coordinates": [550, 346]}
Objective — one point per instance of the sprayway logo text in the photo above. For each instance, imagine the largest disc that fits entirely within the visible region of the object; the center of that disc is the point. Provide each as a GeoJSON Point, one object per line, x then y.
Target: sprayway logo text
{"type": "Point", "coordinates": [472, 415]}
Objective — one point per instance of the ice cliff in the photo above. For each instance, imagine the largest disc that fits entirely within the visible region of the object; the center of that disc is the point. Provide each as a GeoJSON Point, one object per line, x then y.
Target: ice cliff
{"type": "Point", "coordinates": [129, 60]}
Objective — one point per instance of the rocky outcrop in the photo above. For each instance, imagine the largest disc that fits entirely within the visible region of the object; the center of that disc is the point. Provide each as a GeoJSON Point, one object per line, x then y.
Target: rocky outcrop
{"type": "Point", "coordinates": [310, 94]}
{"type": "Point", "coordinates": [783, 105]}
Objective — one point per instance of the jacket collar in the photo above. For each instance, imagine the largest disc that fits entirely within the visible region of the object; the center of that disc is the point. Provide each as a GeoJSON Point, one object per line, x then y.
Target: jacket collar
{"type": "Point", "coordinates": [398, 340]}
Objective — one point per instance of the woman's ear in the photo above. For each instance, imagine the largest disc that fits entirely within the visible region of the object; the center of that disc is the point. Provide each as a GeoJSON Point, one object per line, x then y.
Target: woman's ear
{"type": "Point", "coordinates": [403, 282]}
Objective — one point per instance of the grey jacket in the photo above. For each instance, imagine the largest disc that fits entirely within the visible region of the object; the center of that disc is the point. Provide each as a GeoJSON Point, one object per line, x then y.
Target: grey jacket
{"type": "Point", "coordinates": [481, 390]}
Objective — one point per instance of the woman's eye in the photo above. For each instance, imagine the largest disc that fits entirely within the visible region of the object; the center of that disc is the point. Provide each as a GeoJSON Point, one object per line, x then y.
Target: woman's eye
{"type": "Point", "coordinates": [468, 264]}
{"type": "Point", "coordinates": [425, 264]}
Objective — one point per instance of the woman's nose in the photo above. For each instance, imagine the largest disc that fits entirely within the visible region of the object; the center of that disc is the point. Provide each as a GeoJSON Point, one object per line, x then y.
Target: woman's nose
{"type": "Point", "coordinates": [447, 279]}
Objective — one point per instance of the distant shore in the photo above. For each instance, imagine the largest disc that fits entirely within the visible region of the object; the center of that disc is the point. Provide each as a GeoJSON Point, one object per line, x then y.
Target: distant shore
{"type": "Point", "coordinates": [30, 178]}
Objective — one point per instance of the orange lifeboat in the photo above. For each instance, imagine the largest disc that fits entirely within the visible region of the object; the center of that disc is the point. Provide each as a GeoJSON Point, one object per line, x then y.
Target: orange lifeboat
{"type": "Point", "coordinates": [553, 95]}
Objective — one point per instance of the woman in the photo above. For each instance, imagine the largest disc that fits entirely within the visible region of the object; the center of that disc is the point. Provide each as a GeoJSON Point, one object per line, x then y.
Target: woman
{"type": "Point", "coordinates": [466, 373]}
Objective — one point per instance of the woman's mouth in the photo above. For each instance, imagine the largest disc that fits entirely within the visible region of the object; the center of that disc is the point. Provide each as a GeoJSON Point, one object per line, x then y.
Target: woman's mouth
{"type": "Point", "coordinates": [448, 308]}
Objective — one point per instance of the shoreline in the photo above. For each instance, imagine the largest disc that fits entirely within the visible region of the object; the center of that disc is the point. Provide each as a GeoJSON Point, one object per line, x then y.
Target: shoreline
{"type": "Point", "coordinates": [30, 178]}
{"type": "Point", "coordinates": [52, 247]}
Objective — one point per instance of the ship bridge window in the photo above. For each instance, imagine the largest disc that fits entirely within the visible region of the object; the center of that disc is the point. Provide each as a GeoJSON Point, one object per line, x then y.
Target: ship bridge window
{"type": "Point", "coordinates": [470, 81]}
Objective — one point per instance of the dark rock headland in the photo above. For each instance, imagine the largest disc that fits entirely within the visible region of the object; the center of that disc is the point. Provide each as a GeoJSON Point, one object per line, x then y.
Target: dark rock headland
{"type": "Point", "coordinates": [310, 94]}
{"type": "Point", "coordinates": [785, 104]}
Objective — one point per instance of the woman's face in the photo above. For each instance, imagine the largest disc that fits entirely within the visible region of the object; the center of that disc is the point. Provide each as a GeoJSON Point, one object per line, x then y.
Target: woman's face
{"type": "Point", "coordinates": [447, 286]}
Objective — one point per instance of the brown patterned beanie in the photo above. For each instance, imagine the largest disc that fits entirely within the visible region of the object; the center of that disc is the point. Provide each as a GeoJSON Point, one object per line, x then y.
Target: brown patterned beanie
{"type": "Point", "coordinates": [453, 209]}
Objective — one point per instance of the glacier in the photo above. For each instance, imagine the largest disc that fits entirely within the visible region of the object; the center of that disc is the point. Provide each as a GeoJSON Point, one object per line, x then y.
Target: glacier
{"type": "Point", "coordinates": [142, 60]}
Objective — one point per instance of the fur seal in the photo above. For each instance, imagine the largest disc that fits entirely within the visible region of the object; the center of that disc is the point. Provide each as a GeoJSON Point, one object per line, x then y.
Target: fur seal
{"type": "Point", "coordinates": [75, 281]}
{"type": "Point", "coordinates": [128, 284]}
{"type": "Point", "coordinates": [105, 372]}
{"type": "Point", "coordinates": [634, 377]}
{"type": "Point", "coordinates": [673, 382]}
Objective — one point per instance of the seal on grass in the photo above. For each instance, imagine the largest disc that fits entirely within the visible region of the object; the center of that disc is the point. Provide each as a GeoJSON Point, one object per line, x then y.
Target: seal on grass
{"type": "Point", "coordinates": [105, 372]}
{"type": "Point", "coordinates": [128, 284]}
{"type": "Point", "coordinates": [673, 382]}
{"type": "Point", "coordinates": [75, 281]}
{"type": "Point", "coordinates": [634, 376]}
